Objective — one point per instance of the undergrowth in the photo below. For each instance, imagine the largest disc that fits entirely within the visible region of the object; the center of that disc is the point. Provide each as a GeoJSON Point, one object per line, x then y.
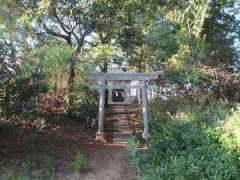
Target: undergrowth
{"type": "Point", "coordinates": [33, 169]}
{"type": "Point", "coordinates": [79, 163]}
{"type": "Point", "coordinates": [192, 143]}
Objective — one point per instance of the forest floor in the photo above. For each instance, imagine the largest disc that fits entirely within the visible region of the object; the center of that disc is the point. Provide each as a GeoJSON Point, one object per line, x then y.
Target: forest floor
{"type": "Point", "coordinates": [49, 154]}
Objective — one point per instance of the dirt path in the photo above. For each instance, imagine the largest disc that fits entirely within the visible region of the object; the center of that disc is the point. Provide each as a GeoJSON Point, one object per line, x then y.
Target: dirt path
{"type": "Point", "coordinates": [104, 162]}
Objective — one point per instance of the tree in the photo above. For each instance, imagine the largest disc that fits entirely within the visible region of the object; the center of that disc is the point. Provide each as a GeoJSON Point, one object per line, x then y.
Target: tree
{"type": "Point", "coordinates": [71, 21]}
{"type": "Point", "coordinates": [52, 59]}
{"type": "Point", "coordinates": [221, 29]}
{"type": "Point", "coordinates": [105, 54]}
{"type": "Point", "coordinates": [11, 37]}
{"type": "Point", "coordinates": [12, 42]}
{"type": "Point", "coordinates": [135, 19]}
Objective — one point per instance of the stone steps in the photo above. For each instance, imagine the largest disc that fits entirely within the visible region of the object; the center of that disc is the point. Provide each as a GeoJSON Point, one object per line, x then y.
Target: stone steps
{"type": "Point", "coordinates": [117, 117]}
{"type": "Point", "coordinates": [117, 112]}
{"type": "Point", "coordinates": [120, 124]}
{"type": "Point", "coordinates": [123, 127]}
{"type": "Point", "coordinates": [119, 120]}
{"type": "Point", "coordinates": [121, 137]}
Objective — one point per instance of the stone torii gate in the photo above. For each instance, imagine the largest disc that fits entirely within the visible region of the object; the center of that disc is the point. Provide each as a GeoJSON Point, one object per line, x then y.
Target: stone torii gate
{"type": "Point", "coordinates": [102, 78]}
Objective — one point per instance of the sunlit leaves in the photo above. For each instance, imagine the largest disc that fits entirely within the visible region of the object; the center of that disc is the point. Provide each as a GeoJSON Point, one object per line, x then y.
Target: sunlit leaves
{"type": "Point", "coordinates": [105, 54]}
{"type": "Point", "coordinates": [53, 59]}
{"type": "Point", "coordinates": [163, 40]}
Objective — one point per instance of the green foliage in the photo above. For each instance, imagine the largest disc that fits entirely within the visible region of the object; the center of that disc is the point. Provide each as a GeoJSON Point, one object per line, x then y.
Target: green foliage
{"type": "Point", "coordinates": [221, 28]}
{"type": "Point", "coordinates": [46, 18]}
{"type": "Point", "coordinates": [31, 170]}
{"type": "Point", "coordinates": [22, 94]}
{"type": "Point", "coordinates": [187, 143]}
{"type": "Point", "coordinates": [52, 59]}
{"type": "Point", "coordinates": [135, 141]}
{"type": "Point", "coordinates": [85, 107]}
{"type": "Point", "coordinates": [79, 163]}
{"type": "Point", "coordinates": [25, 91]}
{"type": "Point", "coordinates": [13, 38]}
{"type": "Point", "coordinates": [105, 54]}
{"type": "Point", "coordinates": [193, 143]}
{"type": "Point", "coordinates": [163, 40]}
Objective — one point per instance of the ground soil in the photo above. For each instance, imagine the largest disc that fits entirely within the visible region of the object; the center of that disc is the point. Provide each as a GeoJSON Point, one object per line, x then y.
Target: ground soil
{"type": "Point", "coordinates": [60, 143]}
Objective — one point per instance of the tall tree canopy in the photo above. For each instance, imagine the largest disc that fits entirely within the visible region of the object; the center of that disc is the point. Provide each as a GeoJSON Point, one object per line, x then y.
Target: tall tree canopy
{"type": "Point", "coordinates": [146, 34]}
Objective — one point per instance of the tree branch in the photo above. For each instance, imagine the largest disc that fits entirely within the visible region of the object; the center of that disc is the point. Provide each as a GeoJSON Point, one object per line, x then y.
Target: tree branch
{"type": "Point", "coordinates": [57, 34]}
{"type": "Point", "coordinates": [64, 27]}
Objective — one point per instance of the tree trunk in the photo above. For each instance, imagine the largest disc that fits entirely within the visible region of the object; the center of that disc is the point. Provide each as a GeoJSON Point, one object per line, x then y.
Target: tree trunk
{"type": "Point", "coordinates": [71, 80]}
{"type": "Point", "coordinates": [71, 73]}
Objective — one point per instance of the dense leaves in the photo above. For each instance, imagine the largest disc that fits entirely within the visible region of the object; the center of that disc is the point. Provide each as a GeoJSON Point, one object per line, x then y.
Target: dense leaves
{"type": "Point", "coordinates": [52, 104]}
{"type": "Point", "coordinates": [192, 143]}
{"type": "Point", "coordinates": [22, 95]}
{"type": "Point", "coordinates": [47, 46]}
{"type": "Point", "coordinates": [85, 107]}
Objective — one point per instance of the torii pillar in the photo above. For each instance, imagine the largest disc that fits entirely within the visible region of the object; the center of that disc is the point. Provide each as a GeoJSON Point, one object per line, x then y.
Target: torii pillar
{"type": "Point", "coordinates": [145, 133]}
{"type": "Point", "coordinates": [102, 93]}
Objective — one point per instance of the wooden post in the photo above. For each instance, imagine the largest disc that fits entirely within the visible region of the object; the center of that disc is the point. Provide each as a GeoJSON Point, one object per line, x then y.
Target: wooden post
{"type": "Point", "coordinates": [100, 134]}
{"type": "Point", "coordinates": [145, 133]}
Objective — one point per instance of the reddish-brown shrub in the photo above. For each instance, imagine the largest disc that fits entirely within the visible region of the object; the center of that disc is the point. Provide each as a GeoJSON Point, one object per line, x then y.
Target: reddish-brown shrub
{"type": "Point", "coordinates": [52, 103]}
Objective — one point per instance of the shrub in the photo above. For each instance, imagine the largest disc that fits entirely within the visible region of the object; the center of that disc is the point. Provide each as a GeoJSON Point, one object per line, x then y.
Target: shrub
{"type": "Point", "coordinates": [22, 94]}
{"type": "Point", "coordinates": [52, 103]}
{"type": "Point", "coordinates": [136, 141]}
{"type": "Point", "coordinates": [85, 107]}
{"type": "Point", "coordinates": [193, 143]}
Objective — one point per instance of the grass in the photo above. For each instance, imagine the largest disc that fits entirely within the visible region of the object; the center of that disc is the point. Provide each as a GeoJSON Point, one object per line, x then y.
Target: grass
{"type": "Point", "coordinates": [32, 169]}
{"type": "Point", "coordinates": [78, 162]}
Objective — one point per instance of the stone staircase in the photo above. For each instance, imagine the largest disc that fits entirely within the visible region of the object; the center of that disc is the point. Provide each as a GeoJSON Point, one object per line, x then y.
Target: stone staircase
{"type": "Point", "coordinates": [118, 125]}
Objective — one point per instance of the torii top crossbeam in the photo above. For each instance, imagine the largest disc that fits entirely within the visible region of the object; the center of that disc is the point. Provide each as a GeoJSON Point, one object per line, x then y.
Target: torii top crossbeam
{"type": "Point", "coordinates": [124, 76]}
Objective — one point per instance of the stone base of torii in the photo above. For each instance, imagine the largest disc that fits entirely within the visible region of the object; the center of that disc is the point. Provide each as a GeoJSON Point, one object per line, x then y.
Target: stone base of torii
{"type": "Point", "coordinates": [102, 78]}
